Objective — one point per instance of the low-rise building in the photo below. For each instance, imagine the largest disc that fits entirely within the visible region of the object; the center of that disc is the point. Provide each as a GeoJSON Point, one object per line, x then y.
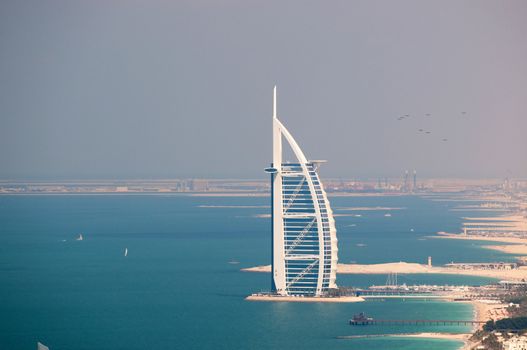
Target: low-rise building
{"type": "Point", "coordinates": [515, 343]}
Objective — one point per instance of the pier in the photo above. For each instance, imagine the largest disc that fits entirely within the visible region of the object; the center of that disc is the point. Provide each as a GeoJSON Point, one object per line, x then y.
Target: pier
{"type": "Point", "coordinates": [371, 321]}
{"type": "Point", "coordinates": [389, 291]}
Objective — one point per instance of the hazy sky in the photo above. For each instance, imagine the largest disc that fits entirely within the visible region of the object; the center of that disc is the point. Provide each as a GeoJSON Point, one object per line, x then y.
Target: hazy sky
{"type": "Point", "coordinates": [149, 89]}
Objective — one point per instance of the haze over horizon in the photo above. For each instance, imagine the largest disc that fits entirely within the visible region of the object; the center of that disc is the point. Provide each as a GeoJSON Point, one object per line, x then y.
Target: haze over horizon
{"type": "Point", "coordinates": [110, 89]}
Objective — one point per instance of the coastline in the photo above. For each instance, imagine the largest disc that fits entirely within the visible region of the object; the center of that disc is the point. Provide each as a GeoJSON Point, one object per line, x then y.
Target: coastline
{"type": "Point", "coordinates": [414, 268]}
{"type": "Point", "coordinates": [436, 335]}
{"type": "Point", "coordinates": [512, 245]}
{"type": "Point", "coordinates": [484, 310]}
{"type": "Point", "coordinates": [429, 335]}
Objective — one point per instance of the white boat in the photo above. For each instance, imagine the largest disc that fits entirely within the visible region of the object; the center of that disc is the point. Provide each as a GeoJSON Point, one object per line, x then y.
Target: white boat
{"type": "Point", "coordinates": [80, 238]}
{"type": "Point", "coordinates": [387, 214]}
{"type": "Point", "coordinates": [125, 251]}
{"type": "Point", "coordinates": [41, 346]}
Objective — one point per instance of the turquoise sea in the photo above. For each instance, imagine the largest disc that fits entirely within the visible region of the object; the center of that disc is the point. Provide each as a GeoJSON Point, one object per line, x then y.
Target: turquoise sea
{"type": "Point", "coordinates": [176, 288]}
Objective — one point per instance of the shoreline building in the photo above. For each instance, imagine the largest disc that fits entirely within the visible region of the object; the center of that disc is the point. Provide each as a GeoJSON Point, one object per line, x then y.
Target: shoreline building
{"type": "Point", "coordinates": [304, 238]}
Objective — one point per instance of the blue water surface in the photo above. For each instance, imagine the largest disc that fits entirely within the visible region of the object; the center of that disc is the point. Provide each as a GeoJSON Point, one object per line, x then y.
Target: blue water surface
{"type": "Point", "coordinates": [178, 288]}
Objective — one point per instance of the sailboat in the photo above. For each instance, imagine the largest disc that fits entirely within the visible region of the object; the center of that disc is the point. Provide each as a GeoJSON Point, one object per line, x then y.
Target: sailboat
{"type": "Point", "coordinates": [80, 238]}
{"type": "Point", "coordinates": [41, 346]}
{"type": "Point", "coordinates": [125, 251]}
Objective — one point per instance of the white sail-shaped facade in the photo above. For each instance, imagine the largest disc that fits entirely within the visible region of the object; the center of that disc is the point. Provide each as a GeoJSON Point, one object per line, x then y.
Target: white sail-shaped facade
{"type": "Point", "coordinates": [305, 252]}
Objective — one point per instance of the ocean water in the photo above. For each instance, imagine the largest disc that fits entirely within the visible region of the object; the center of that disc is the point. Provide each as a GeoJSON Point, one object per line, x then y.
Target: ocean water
{"type": "Point", "coordinates": [176, 288]}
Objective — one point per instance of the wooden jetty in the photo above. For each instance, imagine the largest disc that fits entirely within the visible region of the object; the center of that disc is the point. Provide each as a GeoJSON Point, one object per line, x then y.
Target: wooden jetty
{"type": "Point", "coordinates": [372, 321]}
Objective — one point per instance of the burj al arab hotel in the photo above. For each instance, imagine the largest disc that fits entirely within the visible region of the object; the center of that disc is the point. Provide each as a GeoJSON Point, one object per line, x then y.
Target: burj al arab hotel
{"type": "Point", "coordinates": [304, 248]}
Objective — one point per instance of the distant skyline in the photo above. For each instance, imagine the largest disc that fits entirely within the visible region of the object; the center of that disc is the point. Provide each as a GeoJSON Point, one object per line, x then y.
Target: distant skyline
{"type": "Point", "coordinates": [157, 89]}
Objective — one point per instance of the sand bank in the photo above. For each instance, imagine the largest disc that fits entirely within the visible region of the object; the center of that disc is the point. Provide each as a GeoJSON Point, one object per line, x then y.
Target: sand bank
{"type": "Point", "coordinates": [514, 245]}
{"type": "Point", "coordinates": [404, 267]}
{"type": "Point", "coordinates": [262, 268]}
{"type": "Point", "coordinates": [512, 218]}
{"type": "Point", "coordinates": [517, 249]}
{"type": "Point", "coordinates": [512, 240]}
{"type": "Point", "coordinates": [369, 208]}
{"type": "Point", "coordinates": [227, 194]}
{"type": "Point", "coordinates": [452, 336]}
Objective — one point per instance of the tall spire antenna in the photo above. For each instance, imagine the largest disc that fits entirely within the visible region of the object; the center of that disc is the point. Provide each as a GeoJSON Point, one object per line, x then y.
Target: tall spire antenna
{"type": "Point", "coordinates": [274, 102]}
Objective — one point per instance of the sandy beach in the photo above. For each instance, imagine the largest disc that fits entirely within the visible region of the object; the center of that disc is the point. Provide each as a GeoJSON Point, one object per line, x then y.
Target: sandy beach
{"type": "Point", "coordinates": [517, 223]}
{"type": "Point", "coordinates": [431, 335]}
{"type": "Point", "coordinates": [369, 208]}
{"type": "Point", "coordinates": [513, 245]}
{"type": "Point", "coordinates": [452, 336]}
{"type": "Point", "coordinates": [404, 267]}
{"type": "Point", "coordinates": [485, 310]}
{"type": "Point", "coordinates": [510, 240]}
{"type": "Point", "coordinates": [516, 249]}
{"type": "Point", "coordinates": [464, 337]}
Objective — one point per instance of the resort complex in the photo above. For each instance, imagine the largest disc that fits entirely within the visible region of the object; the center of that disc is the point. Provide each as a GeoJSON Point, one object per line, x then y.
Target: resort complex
{"type": "Point", "coordinates": [304, 239]}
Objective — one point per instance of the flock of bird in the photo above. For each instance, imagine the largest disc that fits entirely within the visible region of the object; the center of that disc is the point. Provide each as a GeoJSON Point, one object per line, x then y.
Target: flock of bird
{"type": "Point", "coordinates": [407, 116]}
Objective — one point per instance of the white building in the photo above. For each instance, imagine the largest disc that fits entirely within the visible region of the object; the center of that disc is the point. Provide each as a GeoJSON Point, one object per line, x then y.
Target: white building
{"type": "Point", "coordinates": [516, 343]}
{"type": "Point", "coordinates": [304, 235]}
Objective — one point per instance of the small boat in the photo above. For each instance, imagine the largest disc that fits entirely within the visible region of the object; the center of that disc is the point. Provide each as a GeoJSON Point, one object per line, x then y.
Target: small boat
{"type": "Point", "coordinates": [361, 245]}
{"type": "Point", "coordinates": [234, 262]}
{"type": "Point", "coordinates": [41, 346]}
{"type": "Point", "coordinates": [125, 251]}
{"type": "Point", "coordinates": [360, 319]}
{"type": "Point", "coordinates": [80, 238]}
{"type": "Point", "coordinates": [387, 214]}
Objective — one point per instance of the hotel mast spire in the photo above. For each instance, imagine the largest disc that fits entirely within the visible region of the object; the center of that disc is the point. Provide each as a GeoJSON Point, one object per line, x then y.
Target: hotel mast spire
{"type": "Point", "coordinates": [274, 102]}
